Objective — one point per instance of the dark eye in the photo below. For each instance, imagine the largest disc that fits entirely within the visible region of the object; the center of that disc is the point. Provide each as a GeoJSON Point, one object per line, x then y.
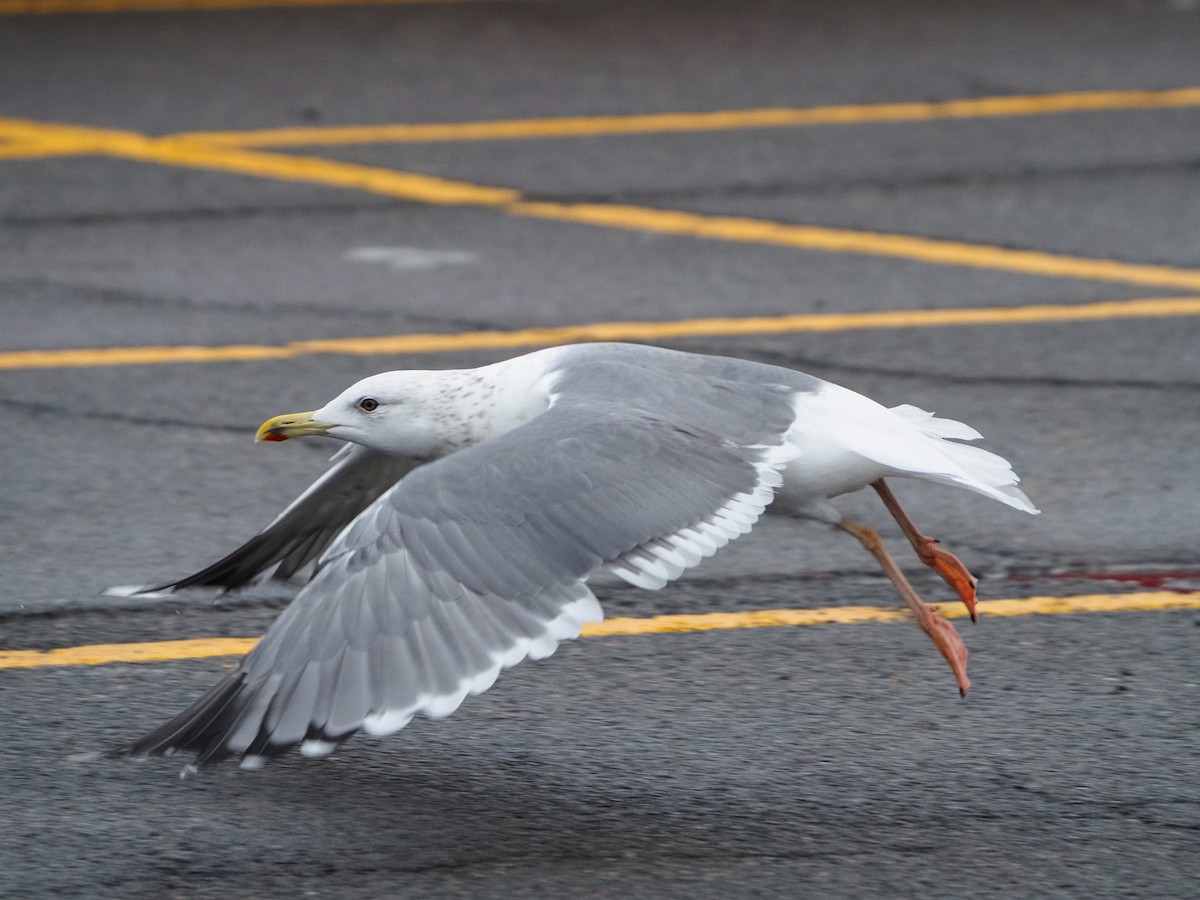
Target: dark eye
{"type": "Point", "coordinates": [368, 404]}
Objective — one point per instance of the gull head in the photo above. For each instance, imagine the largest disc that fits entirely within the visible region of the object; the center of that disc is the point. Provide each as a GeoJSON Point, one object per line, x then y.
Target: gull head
{"type": "Point", "coordinates": [411, 414]}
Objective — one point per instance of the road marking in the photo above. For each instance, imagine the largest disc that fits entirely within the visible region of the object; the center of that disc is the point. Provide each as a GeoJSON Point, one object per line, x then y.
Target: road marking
{"type": "Point", "coordinates": [410, 259]}
{"type": "Point", "coordinates": [721, 120]}
{"type": "Point", "coordinates": [201, 648]}
{"type": "Point", "coordinates": [429, 189]}
{"type": "Point", "coordinates": [52, 7]}
{"type": "Point", "coordinates": [854, 615]}
{"type": "Point", "coordinates": [34, 150]}
{"type": "Point", "coordinates": [193, 154]}
{"type": "Point", "coordinates": [1168, 307]}
{"type": "Point", "coordinates": [102, 654]}
{"type": "Point", "coordinates": [867, 243]}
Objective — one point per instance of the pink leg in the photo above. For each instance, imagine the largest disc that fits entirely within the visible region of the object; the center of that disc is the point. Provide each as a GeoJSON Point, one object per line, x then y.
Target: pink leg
{"type": "Point", "coordinates": [943, 634]}
{"type": "Point", "coordinates": [941, 561]}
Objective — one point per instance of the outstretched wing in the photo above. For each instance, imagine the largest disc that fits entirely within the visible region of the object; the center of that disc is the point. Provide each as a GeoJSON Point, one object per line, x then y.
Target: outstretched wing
{"type": "Point", "coordinates": [478, 560]}
{"type": "Point", "coordinates": [301, 533]}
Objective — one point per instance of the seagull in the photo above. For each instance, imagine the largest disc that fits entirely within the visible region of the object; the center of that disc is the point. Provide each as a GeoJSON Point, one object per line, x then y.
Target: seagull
{"type": "Point", "coordinates": [454, 533]}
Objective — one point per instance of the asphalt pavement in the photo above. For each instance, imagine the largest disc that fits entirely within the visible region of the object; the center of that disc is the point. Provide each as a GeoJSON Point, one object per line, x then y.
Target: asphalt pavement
{"type": "Point", "coordinates": [1036, 160]}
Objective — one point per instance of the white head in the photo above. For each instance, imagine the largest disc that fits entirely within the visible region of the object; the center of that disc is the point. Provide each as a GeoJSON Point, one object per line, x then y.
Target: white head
{"type": "Point", "coordinates": [419, 414]}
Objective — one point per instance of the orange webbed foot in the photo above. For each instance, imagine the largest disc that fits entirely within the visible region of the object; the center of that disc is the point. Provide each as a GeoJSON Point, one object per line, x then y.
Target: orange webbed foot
{"type": "Point", "coordinates": [948, 641]}
{"type": "Point", "coordinates": [953, 572]}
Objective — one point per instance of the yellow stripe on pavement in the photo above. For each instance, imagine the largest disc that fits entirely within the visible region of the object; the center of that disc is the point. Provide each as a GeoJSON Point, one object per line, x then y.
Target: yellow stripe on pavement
{"type": "Point", "coordinates": [201, 648]}
{"type": "Point", "coordinates": [721, 120]}
{"type": "Point", "coordinates": [867, 243]}
{"type": "Point", "coordinates": [604, 331]}
{"type": "Point", "coordinates": [855, 615]}
{"type": "Point", "coordinates": [430, 189]}
{"type": "Point", "coordinates": [34, 150]}
{"type": "Point", "coordinates": [102, 654]}
{"type": "Point", "coordinates": [310, 170]}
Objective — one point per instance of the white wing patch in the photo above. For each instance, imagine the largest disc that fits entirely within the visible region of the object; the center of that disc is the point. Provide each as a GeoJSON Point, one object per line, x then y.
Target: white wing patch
{"type": "Point", "coordinates": [566, 626]}
{"type": "Point", "coordinates": [308, 701]}
{"type": "Point", "coordinates": [655, 563]}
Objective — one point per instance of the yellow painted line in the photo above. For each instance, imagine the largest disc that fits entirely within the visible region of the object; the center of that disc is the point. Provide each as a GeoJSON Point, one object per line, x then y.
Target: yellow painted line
{"type": "Point", "coordinates": [34, 150]}
{"type": "Point", "coordinates": [53, 7]}
{"type": "Point", "coordinates": [46, 132]}
{"type": "Point", "coordinates": [429, 189]}
{"type": "Point", "coordinates": [101, 654]}
{"type": "Point", "coordinates": [839, 240]}
{"type": "Point", "coordinates": [309, 170]}
{"type": "Point", "coordinates": [201, 648]}
{"type": "Point", "coordinates": [1168, 307]}
{"type": "Point", "coordinates": [137, 356]}
{"type": "Point", "coordinates": [721, 120]}
{"type": "Point", "coordinates": [855, 615]}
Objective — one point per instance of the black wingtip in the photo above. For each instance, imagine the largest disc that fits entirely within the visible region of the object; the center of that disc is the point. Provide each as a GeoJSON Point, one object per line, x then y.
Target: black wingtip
{"type": "Point", "coordinates": [200, 729]}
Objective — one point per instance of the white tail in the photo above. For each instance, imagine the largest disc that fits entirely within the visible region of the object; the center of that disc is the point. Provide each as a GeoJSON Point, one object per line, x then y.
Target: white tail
{"type": "Point", "coordinates": [986, 473]}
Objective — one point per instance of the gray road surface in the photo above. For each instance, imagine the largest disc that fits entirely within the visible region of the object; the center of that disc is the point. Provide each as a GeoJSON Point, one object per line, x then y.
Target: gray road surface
{"type": "Point", "coordinates": [823, 762]}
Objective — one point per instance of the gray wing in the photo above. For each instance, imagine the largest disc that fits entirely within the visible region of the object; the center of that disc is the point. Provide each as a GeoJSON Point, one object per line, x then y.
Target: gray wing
{"type": "Point", "coordinates": [300, 534]}
{"type": "Point", "coordinates": [473, 562]}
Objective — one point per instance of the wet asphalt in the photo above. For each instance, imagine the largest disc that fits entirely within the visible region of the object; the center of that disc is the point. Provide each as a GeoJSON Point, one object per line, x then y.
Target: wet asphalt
{"type": "Point", "coordinates": [779, 762]}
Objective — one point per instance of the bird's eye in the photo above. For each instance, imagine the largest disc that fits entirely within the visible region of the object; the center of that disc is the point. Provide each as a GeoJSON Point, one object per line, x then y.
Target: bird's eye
{"type": "Point", "coordinates": [368, 404]}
